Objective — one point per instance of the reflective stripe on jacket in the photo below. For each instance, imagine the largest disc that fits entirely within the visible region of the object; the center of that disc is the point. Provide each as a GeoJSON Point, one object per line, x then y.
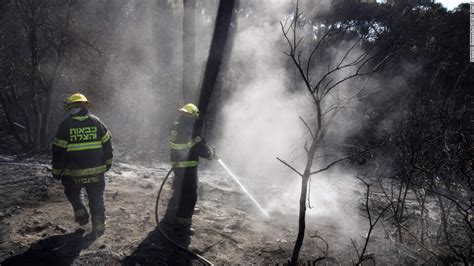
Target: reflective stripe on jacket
{"type": "Point", "coordinates": [185, 146]}
{"type": "Point", "coordinates": [82, 147]}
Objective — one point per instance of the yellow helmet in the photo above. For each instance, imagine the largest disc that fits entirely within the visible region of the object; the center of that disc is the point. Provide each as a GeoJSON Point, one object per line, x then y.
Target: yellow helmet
{"type": "Point", "coordinates": [75, 100]}
{"type": "Point", "coordinates": [190, 109]}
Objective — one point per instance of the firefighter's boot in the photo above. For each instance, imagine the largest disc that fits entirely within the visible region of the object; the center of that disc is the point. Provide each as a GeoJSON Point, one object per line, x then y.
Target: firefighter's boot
{"type": "Point", "coordinates": [98, 228]}
{"type": "Point", "coordinates": [81, 216]}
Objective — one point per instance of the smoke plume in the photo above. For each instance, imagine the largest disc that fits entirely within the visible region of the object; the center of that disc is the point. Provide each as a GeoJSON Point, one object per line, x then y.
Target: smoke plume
{"type": "Point", "coordinates": [261, 121]}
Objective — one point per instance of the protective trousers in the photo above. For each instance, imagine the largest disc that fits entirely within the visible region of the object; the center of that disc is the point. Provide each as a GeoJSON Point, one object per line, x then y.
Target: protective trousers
{"type": "Point", "coordinates": [94, 186]}
{"type": "Point", "coordinates": [184, 197]}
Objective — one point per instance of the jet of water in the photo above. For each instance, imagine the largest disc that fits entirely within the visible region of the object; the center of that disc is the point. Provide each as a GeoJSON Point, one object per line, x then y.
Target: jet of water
{"type": "Point", "coordinates": [243, 188]}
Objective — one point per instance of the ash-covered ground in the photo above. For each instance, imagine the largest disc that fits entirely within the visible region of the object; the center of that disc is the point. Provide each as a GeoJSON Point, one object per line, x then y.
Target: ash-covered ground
{"type": "Point", "coordinates": [37, 224]}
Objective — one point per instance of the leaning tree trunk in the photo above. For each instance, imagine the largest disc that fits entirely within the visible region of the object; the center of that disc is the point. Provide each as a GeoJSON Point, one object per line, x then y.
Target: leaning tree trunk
{"type": "Point", "coordinates": [216, 55]}
{"type": "Point", "coordinates": [189, 51]}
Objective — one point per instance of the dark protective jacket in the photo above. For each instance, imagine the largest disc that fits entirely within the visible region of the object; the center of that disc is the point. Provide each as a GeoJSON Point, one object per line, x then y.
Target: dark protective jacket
{"type": "Point", "coordinates": [82, 146]}
{"type": "Point", "coordinates": [185, 146]}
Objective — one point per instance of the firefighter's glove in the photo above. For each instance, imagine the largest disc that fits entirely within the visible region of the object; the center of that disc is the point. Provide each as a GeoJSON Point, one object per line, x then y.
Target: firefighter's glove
{"type": "Point", "coordinates": [108, 164]}
{"type": "Point", "coordinates": [213, 155]}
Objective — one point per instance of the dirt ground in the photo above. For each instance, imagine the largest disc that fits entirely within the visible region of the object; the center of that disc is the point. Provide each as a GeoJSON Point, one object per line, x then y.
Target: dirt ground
{"type": "Point", "coordinates": [37, 225]}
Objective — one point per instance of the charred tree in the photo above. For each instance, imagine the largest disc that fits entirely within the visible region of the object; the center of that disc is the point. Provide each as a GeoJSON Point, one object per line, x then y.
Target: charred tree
{"type": "Point", "coordinates": [59, 43]}
{"type": "Point", "coordinates": [34, 57]}
{"type": "Point", "coordinates": [217, 52]}
{"type": "Point", "coordinates": [355, 62]}
{"type": "Point", "coordinates": [31, 16]}
{"type": "Point", "coordinates": [189, 51]}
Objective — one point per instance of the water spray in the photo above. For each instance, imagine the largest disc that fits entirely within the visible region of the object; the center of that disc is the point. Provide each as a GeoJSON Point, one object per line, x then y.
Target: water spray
{"type": "Point", "coordinates": [242, 186]}
{"type": "Point", "coordinates": [201, 259]}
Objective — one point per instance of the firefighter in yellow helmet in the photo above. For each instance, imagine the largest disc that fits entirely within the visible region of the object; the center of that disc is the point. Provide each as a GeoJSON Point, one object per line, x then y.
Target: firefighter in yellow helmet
{"type": "Point", "coordinates": [82, 153]}
{"type": "Point", "coordinates": [185, 149]}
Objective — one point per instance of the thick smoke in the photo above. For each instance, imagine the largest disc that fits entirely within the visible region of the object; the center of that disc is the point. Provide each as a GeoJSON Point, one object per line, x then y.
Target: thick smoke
{"type": "Point", "coordinates": [258, 122]}
{"type": "Point", "coordinates": [145, 73]}
{"type": "Point", "coordinates": [261, 121]}
{"type": "Point", "coordinates": [141, 78]}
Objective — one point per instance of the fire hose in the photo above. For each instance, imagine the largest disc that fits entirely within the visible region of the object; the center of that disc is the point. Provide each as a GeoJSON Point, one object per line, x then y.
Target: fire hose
{"type": "Point", "coordinates": [201, 259]}
{"type": "Point", "coordinates": [196, 256]}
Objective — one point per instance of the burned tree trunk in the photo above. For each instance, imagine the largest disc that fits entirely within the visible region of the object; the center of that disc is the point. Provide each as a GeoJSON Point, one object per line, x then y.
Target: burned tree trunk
{"type": "Point", "coordinates": [189, 51]}
{"type": "Point", "coordinates": [49, 86]}
{"type": "Point", "coordinates": [46, 114]}
{"type": "Point", "coordinates": [320, 86]}
{"type": "Point", "coordinates": [303, 196]}
{"type": "Point", "coordinates": [217, 52]}
{"type": "Point", "coordinates": [33, 41]}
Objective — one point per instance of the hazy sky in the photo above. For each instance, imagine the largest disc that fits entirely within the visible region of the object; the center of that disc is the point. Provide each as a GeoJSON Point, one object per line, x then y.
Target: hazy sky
{"type": "Point", "coordinates": [450, 4]}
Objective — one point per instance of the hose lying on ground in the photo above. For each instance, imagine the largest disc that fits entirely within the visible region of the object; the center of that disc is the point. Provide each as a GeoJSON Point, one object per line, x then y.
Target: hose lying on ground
{"type": "Point", "coordinates": [194, 255]}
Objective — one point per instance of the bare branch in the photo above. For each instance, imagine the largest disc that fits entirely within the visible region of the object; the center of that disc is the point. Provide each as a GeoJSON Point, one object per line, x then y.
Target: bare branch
{"type": "Point", "coordinates": [362, 256]}
{"type": "Point", "coordinates": [349, 51]}
{"type": "Point", "coordinates": [316, 48]}
{"type": "Point", "coordinates": [346, 158]}
{"type": "Point", "coordinates": [307, 127]}
{"type": "Point", "coordinates": [289, 166]}
{"type": "Point", "coordinates": [354, 245]}
{"type": "Point", "coordinates": [325, 251]}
